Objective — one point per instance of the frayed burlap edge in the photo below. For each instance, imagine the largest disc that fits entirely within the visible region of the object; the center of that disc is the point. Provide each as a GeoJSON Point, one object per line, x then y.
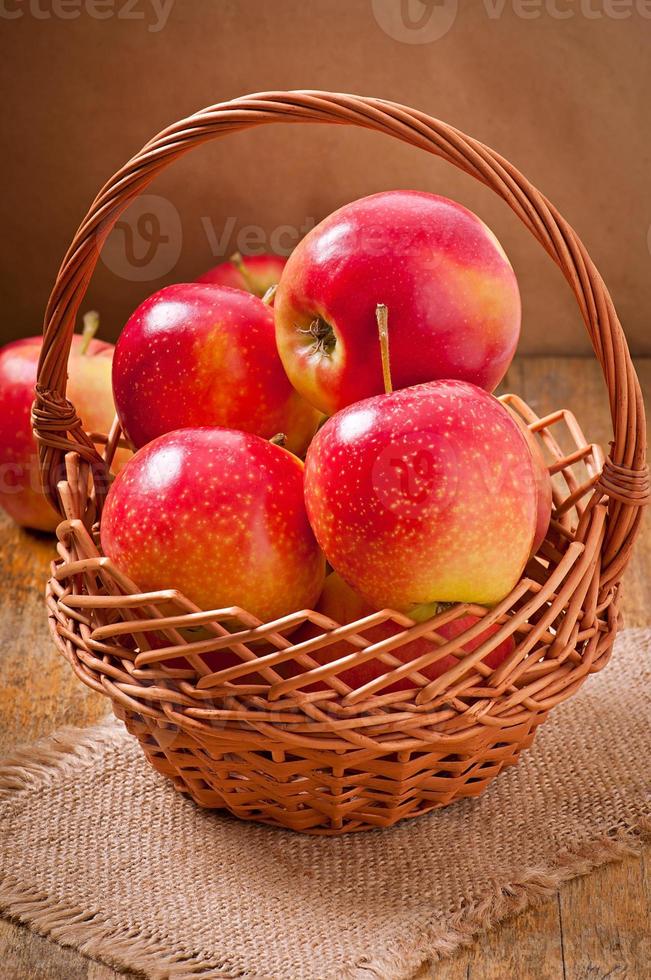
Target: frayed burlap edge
{"type": "Point", "coordinates": [93, 934]}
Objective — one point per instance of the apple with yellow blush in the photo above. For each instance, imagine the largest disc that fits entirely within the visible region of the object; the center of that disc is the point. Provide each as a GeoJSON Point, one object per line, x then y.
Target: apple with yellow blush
{"type": "Point", "coordinates": [424, 495]}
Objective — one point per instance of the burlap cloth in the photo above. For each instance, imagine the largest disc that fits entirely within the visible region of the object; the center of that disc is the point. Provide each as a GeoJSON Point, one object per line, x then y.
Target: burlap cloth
{"type": "Point", "coordinates": [100, 853]}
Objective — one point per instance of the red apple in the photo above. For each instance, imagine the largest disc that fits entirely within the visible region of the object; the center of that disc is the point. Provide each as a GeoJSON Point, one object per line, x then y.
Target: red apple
{"type": "Point", "coordinates": [89, 389]}
{"type": "Point", "coordinates": [194, 355]}
{"type": "Point", "coordinates": [422, 496]}
{"type": "Point", "coordinates": [253, 273]}
{"type": "Point", "coordinates": [452, 296]}
{"type": "Point", "coordinates": [219, 515]}
{"type": "Point", "coordinates": [341, 603]}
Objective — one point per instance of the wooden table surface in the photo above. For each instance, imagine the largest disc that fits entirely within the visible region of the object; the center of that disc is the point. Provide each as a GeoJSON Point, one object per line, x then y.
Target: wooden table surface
{"type": "Point", "coordinates": [597, 926]}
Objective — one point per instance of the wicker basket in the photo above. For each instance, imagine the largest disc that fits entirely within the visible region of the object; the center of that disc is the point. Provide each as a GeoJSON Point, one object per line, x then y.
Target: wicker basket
{"type": "Point", "coordinates": [272, 748]}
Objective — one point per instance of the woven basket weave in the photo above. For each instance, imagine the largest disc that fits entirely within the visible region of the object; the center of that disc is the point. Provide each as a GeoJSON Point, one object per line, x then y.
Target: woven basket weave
{"type": "Point", "coordinates": [263, 744]}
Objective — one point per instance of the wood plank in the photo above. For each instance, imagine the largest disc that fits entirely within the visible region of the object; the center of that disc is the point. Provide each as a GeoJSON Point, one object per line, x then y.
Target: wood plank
{"type": "Point", "coordinates": [38, 691]}
{"type": "Point", "coordinates": [605, 921]}
{"type": "Point", "coordinates": [26, 956]}
{"type": "Point", "coordinates": [527, 945]}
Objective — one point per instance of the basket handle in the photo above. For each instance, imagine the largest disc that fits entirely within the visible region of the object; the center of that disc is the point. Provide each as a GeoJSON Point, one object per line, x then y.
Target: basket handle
{"type": "Point", "coordinates": [56, 425]}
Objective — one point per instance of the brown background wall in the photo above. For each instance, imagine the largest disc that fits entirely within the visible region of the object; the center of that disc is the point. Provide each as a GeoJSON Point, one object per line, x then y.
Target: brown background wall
{"type": "Point", "coordinates": [559, 86]}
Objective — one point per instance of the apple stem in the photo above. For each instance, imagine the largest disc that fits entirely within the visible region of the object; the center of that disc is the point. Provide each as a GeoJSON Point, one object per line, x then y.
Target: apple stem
{"type": "Point", "coordinates": [91, 326]}
{"type": "Point", "coordinates": [382, 317]}
{"type": "Point", "coordinates": [279, 439]}
{"type": "Point", "coordinates": [249, 281]}
{"type": "Point", "coordinates": [268, 297]}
